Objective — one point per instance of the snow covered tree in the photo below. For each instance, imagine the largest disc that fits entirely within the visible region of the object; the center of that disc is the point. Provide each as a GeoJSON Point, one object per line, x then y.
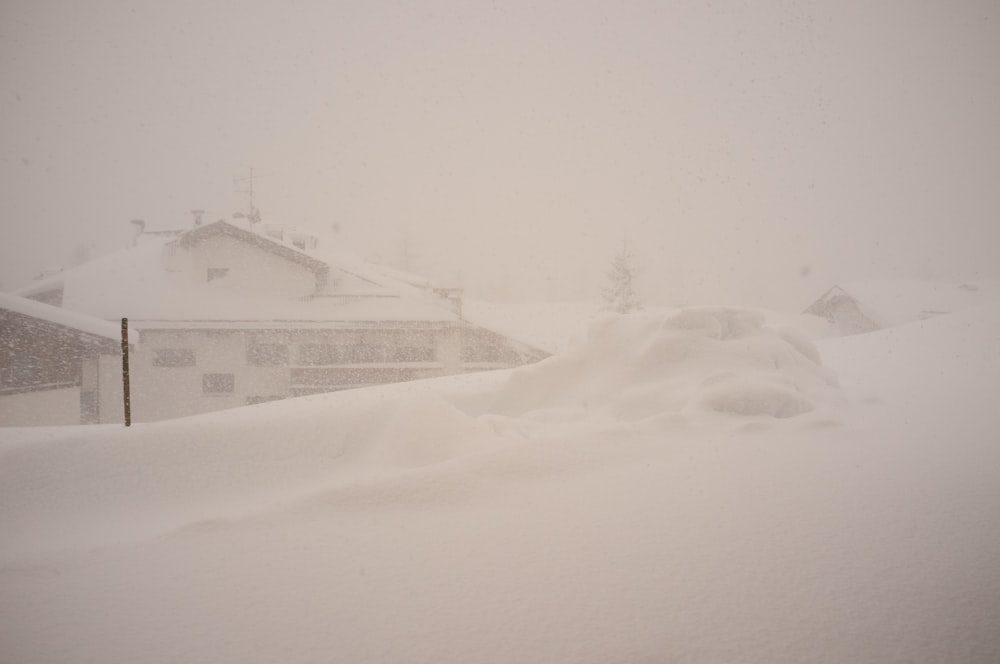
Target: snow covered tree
{"type": "Point", "coordinates": [620, 295]}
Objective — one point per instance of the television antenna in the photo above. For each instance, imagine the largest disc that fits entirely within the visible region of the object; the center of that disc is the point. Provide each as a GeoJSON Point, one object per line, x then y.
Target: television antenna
{"type": "Point", "coordinates": [252, 214]}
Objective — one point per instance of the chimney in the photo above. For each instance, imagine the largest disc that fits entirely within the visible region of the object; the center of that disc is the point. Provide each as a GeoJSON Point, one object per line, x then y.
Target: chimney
{"type": "Point", "coordinates": [197, 214]}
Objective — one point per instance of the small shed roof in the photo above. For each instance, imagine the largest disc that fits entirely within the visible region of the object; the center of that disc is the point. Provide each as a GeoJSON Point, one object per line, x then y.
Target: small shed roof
{"type": "Point", "coordinates": [89, 328]}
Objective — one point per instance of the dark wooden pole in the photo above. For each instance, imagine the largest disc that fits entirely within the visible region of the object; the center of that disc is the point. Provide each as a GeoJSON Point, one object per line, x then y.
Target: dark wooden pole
{"type": "Point", "coordinates": [125, 395]}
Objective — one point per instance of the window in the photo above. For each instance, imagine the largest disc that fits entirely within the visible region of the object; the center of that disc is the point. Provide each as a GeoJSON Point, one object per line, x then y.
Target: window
{"type": "Point", "coordinates": [267, 355]}
{"type": "Point", "coordinates": [487, 348]}
{"type": "Point", "coordinates": [217, 273]}
{"type": "Point", "coordinates": [363, 352]}
{"type": "Point", "coordinates": [481, 351]}
{"type": "Point", "coordinates": [312, 380]}
{"type": "Point", "coordinates": [263, 399]}
{"type": "Point", "coordinates": [218, 383]}
{"type": "Point", "coordinates": [319, 354]}
{"type": "Point", "coordinates": [412, 354]}
{"type": "Point", "coordinates": [21, 371]}
{"type": "Point", "coordinates": [412, 346]}
{"type": "Point", "coordinates": [173, 357]}
{"type": "Point", "coordinates": [370, 347]}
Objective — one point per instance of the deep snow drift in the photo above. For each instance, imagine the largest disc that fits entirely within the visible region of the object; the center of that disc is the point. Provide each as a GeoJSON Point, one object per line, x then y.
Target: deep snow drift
{"type": "Point", "coordinates": [690, 487]}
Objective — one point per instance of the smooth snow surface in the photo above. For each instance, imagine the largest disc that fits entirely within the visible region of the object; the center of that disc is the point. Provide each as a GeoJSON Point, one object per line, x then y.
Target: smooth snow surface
{"type": "Point", "coordinates": [683, 487]}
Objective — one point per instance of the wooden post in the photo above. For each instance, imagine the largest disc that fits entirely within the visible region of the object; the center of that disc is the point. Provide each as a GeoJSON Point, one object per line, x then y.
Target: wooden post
{"type": "Point", "coordinates": [125, 395]}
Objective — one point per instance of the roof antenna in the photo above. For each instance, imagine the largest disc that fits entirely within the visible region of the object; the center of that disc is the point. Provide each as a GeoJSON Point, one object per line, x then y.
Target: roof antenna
{"type": "Point", "coordinates": [253, 214]}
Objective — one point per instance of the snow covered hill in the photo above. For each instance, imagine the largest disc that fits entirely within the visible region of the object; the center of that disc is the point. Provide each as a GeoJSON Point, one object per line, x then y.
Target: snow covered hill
{"type": "Point", "coordinates": [691, 486]}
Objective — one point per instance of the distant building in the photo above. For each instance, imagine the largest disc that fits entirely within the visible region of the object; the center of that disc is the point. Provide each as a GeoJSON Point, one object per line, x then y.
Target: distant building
{"type": "Point", "coordinates": [873, 305]}
{"type": "Point", "coordinates": [845, 313]}
{"type": "Point", "coordinates": [56, 366]}
{"type": "Point", "coordinates": [225, 315]}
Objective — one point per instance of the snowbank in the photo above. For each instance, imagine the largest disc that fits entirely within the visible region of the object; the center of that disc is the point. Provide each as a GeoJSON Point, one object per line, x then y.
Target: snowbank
{"type": "Point", "coordinates": [654, 365]}
{"type": "Point", "coordinates": [691, 487]}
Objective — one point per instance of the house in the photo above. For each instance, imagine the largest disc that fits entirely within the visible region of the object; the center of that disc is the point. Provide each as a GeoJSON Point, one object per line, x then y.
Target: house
{"type": "Point", "coordinates": [844, 312]}
{"type": "Point", "coordinates": [873, 305]}
{"type": "Point", "coordinates": [56, 366]}
{"type": "Point", "coordinates": [229, 313]}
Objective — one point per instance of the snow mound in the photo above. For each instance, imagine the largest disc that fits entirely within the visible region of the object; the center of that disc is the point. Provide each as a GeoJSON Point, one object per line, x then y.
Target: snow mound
{"type": "Point", "coordinates": [687, 363]}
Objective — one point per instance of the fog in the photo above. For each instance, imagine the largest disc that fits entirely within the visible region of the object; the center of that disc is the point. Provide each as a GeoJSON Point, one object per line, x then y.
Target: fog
{"type": "Point", "coordinates": [749, 153]}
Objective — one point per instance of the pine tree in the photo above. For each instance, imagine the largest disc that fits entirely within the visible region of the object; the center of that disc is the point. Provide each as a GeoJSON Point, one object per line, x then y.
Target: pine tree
{"type": "Point", "coordinates": [620, 295]}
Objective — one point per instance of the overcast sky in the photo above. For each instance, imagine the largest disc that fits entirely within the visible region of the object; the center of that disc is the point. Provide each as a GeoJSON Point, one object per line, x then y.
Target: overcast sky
{"type": "Point", "coordinates": [751, 152]}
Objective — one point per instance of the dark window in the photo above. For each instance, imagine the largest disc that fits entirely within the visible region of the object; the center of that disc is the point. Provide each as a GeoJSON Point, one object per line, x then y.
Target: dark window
{"type": "Point", "coordinates": [412, 354]}
{"type": "Point", "coordinates": [320, 354]}
{"type": "Point", "coordinates": [21, 371]}
{"type": "Point", "coordinates": [327, 379]}
{"type": "Point", "coordinates": [412, 346]}
{"type": "Point", "coordinates": [218, 383]}
{"type": "Point", "coordinates": [173, 357]}
{"type": "Point", "coordinates": [267, 355]}
{"type": "Point", "coordinates": [487, 348]}
{"type": "Point", "coordinates": [217, 273]}
{"type": "Point", "coordinates": [363, 352]}
{"type": "Point", "coordinates": [46, 367]}
{"type": "Point", "coordinates": [263, 399]}
{"type": "Point", "coordinates": [480, 351]}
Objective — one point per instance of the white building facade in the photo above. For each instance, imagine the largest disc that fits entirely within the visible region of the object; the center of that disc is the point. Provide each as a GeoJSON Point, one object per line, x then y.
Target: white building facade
{"type": "Point", "coordinates": [223, 316]}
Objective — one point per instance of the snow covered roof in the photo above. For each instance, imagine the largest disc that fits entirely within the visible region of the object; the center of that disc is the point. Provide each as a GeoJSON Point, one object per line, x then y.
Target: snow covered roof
{"type": "Point", "coordinates": [135, 283]}
{"type": "Point", "coordinates": [72, 320]}
{"type": "Point", "coordinates": [225, 228]}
